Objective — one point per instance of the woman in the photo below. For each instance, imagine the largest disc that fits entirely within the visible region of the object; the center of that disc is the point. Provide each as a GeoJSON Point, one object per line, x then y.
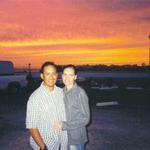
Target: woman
{"type": "Point", "coordinates": [77, 110]}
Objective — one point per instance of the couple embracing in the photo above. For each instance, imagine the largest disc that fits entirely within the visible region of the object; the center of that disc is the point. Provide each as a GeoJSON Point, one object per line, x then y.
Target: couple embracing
{"type": "Point", "coordinates": [57, 118]}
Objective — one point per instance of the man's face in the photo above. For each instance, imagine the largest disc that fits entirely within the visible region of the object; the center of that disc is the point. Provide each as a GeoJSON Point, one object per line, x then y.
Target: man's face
{"type": "Point", "coordinates": [49, 76]}
{"type": "Point", "coordinates": [69, 76]}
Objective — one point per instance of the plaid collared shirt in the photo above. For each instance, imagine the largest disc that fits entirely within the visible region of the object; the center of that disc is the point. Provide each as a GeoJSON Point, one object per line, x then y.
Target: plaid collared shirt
{"type": "Point", "coordinates": [44, 108]}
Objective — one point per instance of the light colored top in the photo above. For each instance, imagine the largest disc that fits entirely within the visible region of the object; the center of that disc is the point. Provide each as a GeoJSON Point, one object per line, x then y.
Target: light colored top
{"type": "Point", "coordinates": [44, 108]}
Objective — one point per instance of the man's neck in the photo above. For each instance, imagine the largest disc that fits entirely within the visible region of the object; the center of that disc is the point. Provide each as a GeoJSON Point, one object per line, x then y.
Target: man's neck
{"type": "Point", "coordinates": [49, 88]}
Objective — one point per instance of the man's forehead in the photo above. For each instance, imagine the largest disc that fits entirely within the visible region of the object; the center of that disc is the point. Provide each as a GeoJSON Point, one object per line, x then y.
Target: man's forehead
{"type": "Point", "coordinates": [50, 68]}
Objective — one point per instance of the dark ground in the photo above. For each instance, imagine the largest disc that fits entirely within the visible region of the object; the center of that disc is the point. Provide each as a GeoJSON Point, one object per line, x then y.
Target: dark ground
{"type": "Point", "coordinates": [111, 128]}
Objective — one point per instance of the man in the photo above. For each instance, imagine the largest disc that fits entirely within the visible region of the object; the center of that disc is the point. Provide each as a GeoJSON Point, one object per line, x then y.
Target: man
{"type": "Point", "coordinates": [45, 107]}
{"type": "Point", "coordinates": [77, 110]}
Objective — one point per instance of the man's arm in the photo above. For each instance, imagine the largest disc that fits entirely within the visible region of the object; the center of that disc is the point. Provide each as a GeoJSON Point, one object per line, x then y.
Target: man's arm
{"type": "Point", "coordinates": [32, 117]}
{"type": "Point", "coordinates": [37, 138]}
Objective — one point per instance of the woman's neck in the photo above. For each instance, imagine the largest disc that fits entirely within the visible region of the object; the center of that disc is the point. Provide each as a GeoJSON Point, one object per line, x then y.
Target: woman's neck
{"type": "Point", "coordinates": [69, 87]}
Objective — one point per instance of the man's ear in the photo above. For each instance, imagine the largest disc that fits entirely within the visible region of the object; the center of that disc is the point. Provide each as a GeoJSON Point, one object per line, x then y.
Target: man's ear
{"type": "Point", "coordinates": [41, 75]}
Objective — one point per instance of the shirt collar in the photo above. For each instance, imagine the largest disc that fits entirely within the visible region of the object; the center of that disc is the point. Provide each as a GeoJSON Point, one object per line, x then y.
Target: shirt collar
{"type": "Point", "coordinates": [45, 90]}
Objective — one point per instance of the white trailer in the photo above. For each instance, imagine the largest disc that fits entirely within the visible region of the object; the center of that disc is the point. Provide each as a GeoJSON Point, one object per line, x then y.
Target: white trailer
{"type": "Point", "coordinates": [8, 79]}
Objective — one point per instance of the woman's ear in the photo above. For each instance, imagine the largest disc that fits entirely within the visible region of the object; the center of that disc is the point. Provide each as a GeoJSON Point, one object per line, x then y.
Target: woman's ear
{"type": "Point", "coordinates": [75, 77]}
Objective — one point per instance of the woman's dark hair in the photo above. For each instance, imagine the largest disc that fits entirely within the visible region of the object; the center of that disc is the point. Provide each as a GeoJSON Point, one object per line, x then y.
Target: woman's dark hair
{"type": "Point", "coordinates": [71, 66]}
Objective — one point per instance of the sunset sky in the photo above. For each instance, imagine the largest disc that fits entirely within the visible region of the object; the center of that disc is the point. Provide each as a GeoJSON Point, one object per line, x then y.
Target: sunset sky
{"type": "Point", "coordinates": [74, 31]}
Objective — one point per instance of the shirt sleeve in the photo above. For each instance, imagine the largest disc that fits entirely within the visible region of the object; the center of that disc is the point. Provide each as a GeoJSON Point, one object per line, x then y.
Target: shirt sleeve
{"type": "Point", "coordinates": [32, 113]}
{"type": "Point", "coordinates": [83, 117]}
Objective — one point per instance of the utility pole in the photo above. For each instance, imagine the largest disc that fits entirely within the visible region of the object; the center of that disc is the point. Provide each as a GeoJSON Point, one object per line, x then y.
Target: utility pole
{"type": "Point", "coordinates": [149, 50]}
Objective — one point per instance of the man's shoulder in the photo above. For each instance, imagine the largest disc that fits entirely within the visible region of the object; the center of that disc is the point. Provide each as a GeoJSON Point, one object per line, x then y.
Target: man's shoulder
{"type": "Point", "coordinates": [58, 90]}
{"type": "Point", "coordinates": [36, 94]}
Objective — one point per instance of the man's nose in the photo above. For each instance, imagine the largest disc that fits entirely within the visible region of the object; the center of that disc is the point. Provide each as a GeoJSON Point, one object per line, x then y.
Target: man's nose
{"type": "Point", "coordinates": [51, 76]}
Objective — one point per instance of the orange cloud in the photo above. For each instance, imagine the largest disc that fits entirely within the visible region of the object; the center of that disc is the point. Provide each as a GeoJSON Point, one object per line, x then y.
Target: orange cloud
{"type": "Point", "coordinates": [80, 56]}
{"type": "Point", "coordinates": [9, 26]}
{"type": "Point", "coordinates": [45, 42]}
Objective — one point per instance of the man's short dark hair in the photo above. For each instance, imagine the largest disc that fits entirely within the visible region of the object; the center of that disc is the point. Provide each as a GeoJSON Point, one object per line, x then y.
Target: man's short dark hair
{"type": "Point", "coordinates": [48, 63]}
{"type": "Point", "coordinates": [71, 66]}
